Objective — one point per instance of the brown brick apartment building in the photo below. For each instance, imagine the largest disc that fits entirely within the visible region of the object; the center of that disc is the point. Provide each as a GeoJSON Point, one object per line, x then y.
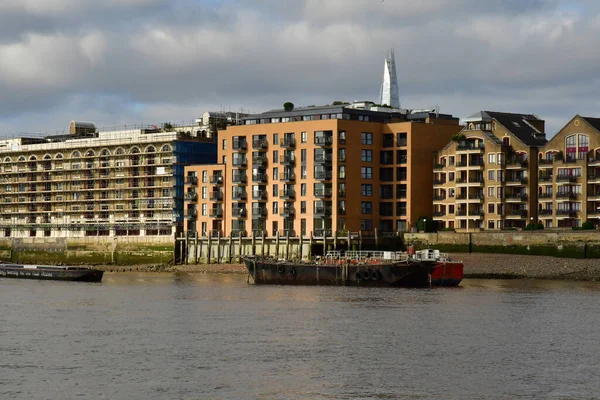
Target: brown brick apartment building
{"type": "Point", "coordinates": [486, 177]}
{"type": "Point", "coordinates": [569, 175]}
{"type": "Point", "coordinates": [320, 169]}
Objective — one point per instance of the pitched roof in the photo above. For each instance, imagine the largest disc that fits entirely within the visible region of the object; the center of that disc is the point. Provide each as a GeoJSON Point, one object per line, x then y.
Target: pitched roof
{"type": "Point", "coordinates": [519, 126]}
{"type": "Point", "coordinates": [595, 122]}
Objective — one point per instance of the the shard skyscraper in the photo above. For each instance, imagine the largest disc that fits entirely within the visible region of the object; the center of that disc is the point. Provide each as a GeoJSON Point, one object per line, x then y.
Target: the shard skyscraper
{"type": "Point", "coordinates": [389, 87]}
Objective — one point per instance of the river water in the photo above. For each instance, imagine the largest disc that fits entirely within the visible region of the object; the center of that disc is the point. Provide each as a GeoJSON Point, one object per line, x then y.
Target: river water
{"type": "Point", "coordinates": [146, 336]}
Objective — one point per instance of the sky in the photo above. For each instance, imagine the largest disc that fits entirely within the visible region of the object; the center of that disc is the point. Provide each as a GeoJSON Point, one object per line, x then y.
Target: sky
{"type": "Point", "coordinates": [126, 62]}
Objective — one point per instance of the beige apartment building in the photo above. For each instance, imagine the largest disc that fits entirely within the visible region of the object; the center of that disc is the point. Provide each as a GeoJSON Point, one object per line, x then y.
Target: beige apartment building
{"type": "Point", "coordinates": [126, 182]}
{"type": "Point", "coordinates": [569, 175]}
{"type": "Point", "coordinates": [485, 178]}
{"type": "Point", "coordinates": [320, 170]}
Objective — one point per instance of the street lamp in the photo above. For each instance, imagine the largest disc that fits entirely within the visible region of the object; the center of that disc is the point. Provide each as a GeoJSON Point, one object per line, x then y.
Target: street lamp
{"type": "Point", "coordinates": [424, 224]}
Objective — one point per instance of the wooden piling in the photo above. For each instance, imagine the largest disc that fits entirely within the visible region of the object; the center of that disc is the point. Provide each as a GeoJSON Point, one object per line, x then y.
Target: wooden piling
{"type": "Point", "coordinates": [219, 247]}
{"type": "Point", "coordinates": [229, 251]}
{"type": "Point", "coordinates": [187, 248]}
{"type": "Point", "coordinates": [196, 248]}
{"type": "Point", "coordinates": [253, 243]}
{"type": "Point", "coordinates": [277, 244]}
{"type": "Point", "coordinates": [287, 245]}
{"type": "Point", "coordinates": [240, 249]}
{"type": "Point", "coordinates": [209, 250]}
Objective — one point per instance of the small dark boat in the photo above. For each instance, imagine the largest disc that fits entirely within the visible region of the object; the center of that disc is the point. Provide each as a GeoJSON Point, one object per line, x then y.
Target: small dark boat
{"type": "Point", "coordinates": [55, 273]}
{"type": "Point", "coordinates": [426, 268]}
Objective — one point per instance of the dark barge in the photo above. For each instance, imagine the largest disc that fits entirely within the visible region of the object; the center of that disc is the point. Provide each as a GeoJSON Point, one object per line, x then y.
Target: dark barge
{"type": "Point", "coordinates": [55, 273]}
{"type": "Point", "coordinates": [426, 268]}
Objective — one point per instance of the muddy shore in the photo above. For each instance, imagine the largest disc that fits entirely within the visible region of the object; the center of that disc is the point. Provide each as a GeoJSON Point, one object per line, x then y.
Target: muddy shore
{"type": "Point", "coordinates": [477, 265]}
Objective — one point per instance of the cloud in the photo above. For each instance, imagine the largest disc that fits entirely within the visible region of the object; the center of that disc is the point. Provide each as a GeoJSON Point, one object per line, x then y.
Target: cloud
{"type": "Point", "coordinates": [138, 60]}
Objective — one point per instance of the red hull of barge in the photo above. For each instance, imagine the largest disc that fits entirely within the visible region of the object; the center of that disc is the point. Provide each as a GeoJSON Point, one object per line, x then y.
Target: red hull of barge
{"type": "Point", "coordinates": [447, 274]}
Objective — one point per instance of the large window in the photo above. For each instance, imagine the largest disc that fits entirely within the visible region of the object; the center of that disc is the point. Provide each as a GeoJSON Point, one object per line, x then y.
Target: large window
{"type": "Point", "coordinates": [366, 155]}
{"type": "Point", "coordinates": [583, 145]}
{"type": "Point", "coordinates": [366, 190]}
{"type": "Point", "coordinates": [571, 147]}
{"type": "Point", "coordinates": [366, 207]}
{"type": "Point", "coordinates": [366, 172]}
{"type": "Point", "coordinates": [366, 138]}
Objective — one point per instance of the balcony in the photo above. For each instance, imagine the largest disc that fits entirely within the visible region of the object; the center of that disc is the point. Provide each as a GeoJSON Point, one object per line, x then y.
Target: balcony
{"type": "Point", "coordinates": [341, 211]}
{"type": "Point", "coordinates": [288, 160]}
{"type": "Point", "coordinates": [468, 147]}
{"type": "Point", "coordinates": [191, 214]}
{"type": "Point", "coordinates": [259, 144]}
{"type": "Point", "coordinates": [519, 181]}
{"type": "Point", "coordinates": [518, 197]}
{"type": "Point", "coordinates": [566, 195]}
{"type": "Point", "coordinates": [461, 164]}
{"type": "Point", "coordinates": [566, 213]}
{"type": "Point", "coordinates": [287, 212]}
{"type": "Point", "coordinates": [288, 142]}
{"type": "Point", "coordinates": [239, 179]}
{"type": "Point", "coordinates": [216, 179]}
{"type": "Point", "coordinates": [288, 178]}
{"type": "Point", "coordinates": [545, 213]}
{"type": "Point", "coordinates": [239, 162]}
{"type": "Point", "coordinates": [439, 214]}
{"type": "Point", "coordinates": [238, 212]}
{"type": "Point", "coordinates": [216, 196]}
{"type": "Point", "coordinates": [259, 212]}
{"type": "Point", "coordinates": [287, 233]}
{"type": "Point", "coordinates": [440, 182]}
{"type": "Point", "coordinates": [439, 198]}
{"type": "Point", "coordinates": [323, 192]}
{"type": "Point", "coordinates": [191, 180]}
{"type": "Point", "coordinates": [240, 145]}
{"type": "Point", "coordinates": [517, 213]}
{"type": "Point", "coordinates": [260, 178]}
{"type": "Point", "coordinates": [516, 163]}
{"type": "Point", "coordinates": [260, 161]}
{"type": "Point", "coordinates": [477, 164]}
{"type": "Point", "coordinates": [322, 232]}
{"type": "Point", "coordinates": [191, 196]}
{"type": "Point", "coordinates": [260, 195]}
{"type": "Point", "coordinates": [594, 161]}
{"type": "Point", "coordinates": [323, 141]}
{"type": "Point", "coordinates": [323, 175]}
{"type": "Point", "coordinates": [341, 193]}
{"type": "Point", "coordinates": [322, 211]}
{"type": "Point", "coordinates": [545, 178]}
{"type": "Point", "coordinates": [439, 166]}
{"type": "Point", "coordinates": [543, 196]}
{"type": "Point", "coordinates": [566, 178]}
{"type": "Point", "coordinates": [216, 213]}
{"type": "Point", "coordinates": [239, 196]}
{"type": "Point", "coordinates": [324, 158]}
{"type": "Point", "coordinates": [546, 163]}
{"type": "Point", "coordinates": [288, 194]}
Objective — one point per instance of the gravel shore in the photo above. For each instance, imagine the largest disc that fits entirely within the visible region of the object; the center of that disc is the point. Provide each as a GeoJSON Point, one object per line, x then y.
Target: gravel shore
{"type": "Point", "coordinates": [477, 265]}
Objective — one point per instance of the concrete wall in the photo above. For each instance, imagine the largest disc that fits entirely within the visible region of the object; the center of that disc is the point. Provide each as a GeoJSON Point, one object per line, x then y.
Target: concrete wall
{"type": "Point", "coordinates": [576, 244]}
{"type": "Point", "coordinates": [97, 250]}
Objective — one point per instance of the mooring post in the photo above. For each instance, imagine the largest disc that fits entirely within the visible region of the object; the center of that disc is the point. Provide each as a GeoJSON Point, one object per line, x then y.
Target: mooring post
{"type": "Point", "coordinates": [253, 243]}
{"type": "Point", "coordinates": [187, 248]}
{"type": "Point", "coordinates": [349, 240]}
{"type": "Point", "coordinates": [276, 245]}
{"type": "Point", "coordinates": [229, 251]}
{"type": "Point", "coordinates": [262, 244]}
{"type": "Point", "coordinates": [376, 240]}
{"type": "Point", "coordinates": [196, 247]}
{"type": "Point", "coordinates": [311, 245]}
{"type": "Point", "coordinates": [360, 240]}
{"type": "Point", "coordinates": [181, 248]}
{"type": "Point", "coordinates": [324, 243]}
{"type": "Point", "coordinates": [218, 247]}
{"type": "Point", "coordinates": [287, 245]}
{"type": "Point", "coordinates": [240, 249]}
{"type": "Point", "coordinates": [209, 250]}
{"type": "Point", "coordinates": [335, 241]}
{"type": "Point", "coordinates": [301, 243]}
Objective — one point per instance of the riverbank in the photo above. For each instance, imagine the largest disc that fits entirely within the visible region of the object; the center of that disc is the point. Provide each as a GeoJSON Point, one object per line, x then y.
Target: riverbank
{"type": "Point", "coordinates": [477, 266]}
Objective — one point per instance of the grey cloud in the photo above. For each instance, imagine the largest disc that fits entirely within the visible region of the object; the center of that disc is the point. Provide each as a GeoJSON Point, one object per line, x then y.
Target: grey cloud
{"type": "Point", "coordinates": [137, 60]}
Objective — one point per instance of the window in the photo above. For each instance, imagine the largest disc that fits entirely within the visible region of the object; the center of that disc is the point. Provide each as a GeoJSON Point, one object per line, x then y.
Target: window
{"type": "Point", "coordinates": [342, 172]}
{"type": "Point", "coordinates": [450, 176]}
{"type": "Point", "coordinates": [500, 158]}
{"type": "Point", "coordinates": [366, 190]}
{"type": "Point", "coordinates": [342, 137]}
{"type": "Point", "coordinates": [490, 192]}
{"type": "Point", "coordinates": [303, 189]}
{"type": "Point", "coordinates": [303, 156]}
{"type": "Point", "coordinates": [275, 190]}
{"type": "Point", "coordinates": [275, 173]}
{"type": "Point", "coordinates": [366, 225]}
{"type": "Point", "coordinates": [491, 175]}
{"type": "Point", "coordinates": [303, 207]}
{"type": "Point", "coordinates": [366, 172]}
{"type": "Point", "coordinates": [342, 155]}
{"type": "Point", "coordinates": [492, 158]}
{"type": "Point", "coordinates": [275, 156]}
{"type": "Point", "coordinates": [490, 224]}
{"type": "Point", "coordinates": [276, 138]}
{"type": "Point", "coordinates": [401, 139]}
{"type": "Point", "coordinates": [275, 208]}
{"type": "Point", "coordinates": [491, 208]}
{"type": "Point", "coordinates": [224, 144]}
{"type": "Point", "coordinates": [204, 209]}
{"type": "Point", "coordinates": [303, 137]}
{"type": "Point", "coordinates": [204, 192]}
{"type": "Point", "coordinates": [366, 138]}
{"type": "Point", "coordinates": [366, 155]}
{"type": "Point", "coordinates": [224, 160]}
{"type": "Point", "coordinates": [303, 226]}
{"type": "Point", "coordinates": [303, 172]}
{"type": "Point", "coordinates": [366, 207]}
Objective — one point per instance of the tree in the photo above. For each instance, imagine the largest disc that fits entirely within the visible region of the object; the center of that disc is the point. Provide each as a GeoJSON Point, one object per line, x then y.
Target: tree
{"type": "Point", "coordinates": [168, 127]}
{"type": "Point", "coordinates": [339, 103]}
{"type": "Point", "coordinates": [288, 106]}
{"type": "Point", "coordinates": [458, 137]}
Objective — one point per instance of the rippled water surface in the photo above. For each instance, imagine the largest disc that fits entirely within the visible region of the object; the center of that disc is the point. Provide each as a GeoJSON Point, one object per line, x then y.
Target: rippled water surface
{"type": "Point", "coordinates": [213, 337]}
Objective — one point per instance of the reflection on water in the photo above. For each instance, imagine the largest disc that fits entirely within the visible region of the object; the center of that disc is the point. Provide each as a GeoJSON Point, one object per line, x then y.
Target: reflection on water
{"type": "Point", "coordinates": [162, 336]}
